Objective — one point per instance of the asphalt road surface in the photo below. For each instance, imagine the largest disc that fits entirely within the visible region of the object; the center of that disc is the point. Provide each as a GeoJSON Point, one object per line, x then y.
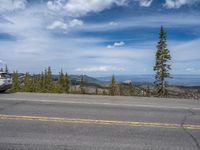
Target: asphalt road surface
{"type": "Point", "coordinates": [80, 122]}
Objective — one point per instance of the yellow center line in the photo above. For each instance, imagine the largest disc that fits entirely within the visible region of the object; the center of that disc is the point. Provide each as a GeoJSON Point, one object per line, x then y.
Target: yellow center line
{"type": "Point", "coordinates": [102, 122]}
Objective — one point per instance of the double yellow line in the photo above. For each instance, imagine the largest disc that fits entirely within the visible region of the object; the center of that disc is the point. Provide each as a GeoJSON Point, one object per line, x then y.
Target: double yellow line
{"type": "Point", "coordinates": [102, 122]}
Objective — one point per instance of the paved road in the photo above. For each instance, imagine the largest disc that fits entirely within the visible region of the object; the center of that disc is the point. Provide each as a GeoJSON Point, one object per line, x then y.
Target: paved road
{"type": "Point", "coordinates": [73, 122]}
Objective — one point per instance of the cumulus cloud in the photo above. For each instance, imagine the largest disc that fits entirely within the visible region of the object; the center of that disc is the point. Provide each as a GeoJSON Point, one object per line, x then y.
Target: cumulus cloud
{"type": "Point", "coordinates": [100, 69]}
{"type": "Point", "coordinates": [178, 3]}
{"type": "Point", "coordinates": [58, 25]}
{"type": "Point", "coordinates": [11, 5]}
{"type": "Point", "coordinates": [65, 25]}
{"type": "Point", "coordinates": [75, 23]}
{"type": "Point", "coordinates": [77, 8]}
{"type": "Point", "coordinates": [116, 44]}
{"type": "Point", "coordinates": [145, 3]}
{"type": "Point", "coordinates": [55, 5]}
{"type": "Point", "coordinates": [81, 7]}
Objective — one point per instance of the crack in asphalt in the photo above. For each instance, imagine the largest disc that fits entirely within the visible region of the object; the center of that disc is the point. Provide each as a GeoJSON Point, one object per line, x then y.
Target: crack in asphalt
{"type": "Point", "coordinates": [191, 113]}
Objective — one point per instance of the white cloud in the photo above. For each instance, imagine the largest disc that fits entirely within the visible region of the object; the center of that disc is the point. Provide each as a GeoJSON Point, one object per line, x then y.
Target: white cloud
{"type": "Point", "coordinates": [65, 25]}
{"type": "Point", "coordinates": [77, 8]}
{"type": "Point", "coordinates": [110, 46]}
{"type": "Point", "coordinates": [119, 44]}
{"type": "Point", "coordinates": [116, 44]}
{"type": "Point", "coordinates": [145, 3]}
{"type": "Point", "coordinates": [100, 69]}
{"type": "Point", "coordinates": [178, 3]}
{"type": "Point", "coordinates": [11, 5]}
{"type": "Point", "coordinates": [113, 23]}
{"type": "Point", "coordinates": [55, 5]}
{"type": "Point", "coordinates": [58, 25]}
{"type": "Point", "coordinates": [81, 7]}
{"type": "Point", "coordinates": [75, 23]}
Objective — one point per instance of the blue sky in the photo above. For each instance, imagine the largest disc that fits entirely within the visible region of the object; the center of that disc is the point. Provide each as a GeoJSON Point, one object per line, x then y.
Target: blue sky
{"type": "Point", "coordinates": [98, 37]}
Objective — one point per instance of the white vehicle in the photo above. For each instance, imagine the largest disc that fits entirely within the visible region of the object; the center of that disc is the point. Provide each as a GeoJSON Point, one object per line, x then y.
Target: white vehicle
{"type": "Point", "coordinates": [5, 81]}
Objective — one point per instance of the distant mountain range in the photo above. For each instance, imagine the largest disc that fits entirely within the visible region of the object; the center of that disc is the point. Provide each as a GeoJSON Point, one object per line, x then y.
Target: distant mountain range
{"type": "Point", "coordinates": [75, 79]}
{"type": "Point", "coordinates": [178, 80]}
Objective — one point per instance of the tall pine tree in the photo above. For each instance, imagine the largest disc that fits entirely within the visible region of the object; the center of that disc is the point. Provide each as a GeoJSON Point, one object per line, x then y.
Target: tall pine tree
{"type": "Point", "coordinates": [61, 81]}
{"type": "Point", "coordinates": [162, 66]}
{"type": "Point", "coordinates": [49, 80]}
{"type": "Point", "coordinates": [48, 83]}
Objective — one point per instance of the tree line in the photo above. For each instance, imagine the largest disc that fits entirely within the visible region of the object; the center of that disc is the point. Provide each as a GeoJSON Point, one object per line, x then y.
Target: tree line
{"type": "Point", "coordinates": [42, 83]}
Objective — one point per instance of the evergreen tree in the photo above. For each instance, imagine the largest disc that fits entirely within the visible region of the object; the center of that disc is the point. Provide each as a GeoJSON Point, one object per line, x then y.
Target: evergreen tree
{"type": "Point", "coordinates": [1, 70]}
{"type": "Point", "coordinates": [41, 83]}
{"type": "Point", "coordinates": [61, 82]}
{"type": "Point", "coordinates": [45, 88]}
{"type": "Point", "coordinates": [15, 82]}
{"type": "Point", "coordinates": [113, 87]}
{"type": "Point", "coordinates": [162, 66]}
{"type": "Point", "coordinates": [49, 80]}
{"type": "Point", "coordinates": [48, 83]}
{"type": "Point", "coordinates": [49, 74]}
{"type": "Point", "coordinates": [34, 83]}
{"type": "Point", "coordinates": [27, 83]}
